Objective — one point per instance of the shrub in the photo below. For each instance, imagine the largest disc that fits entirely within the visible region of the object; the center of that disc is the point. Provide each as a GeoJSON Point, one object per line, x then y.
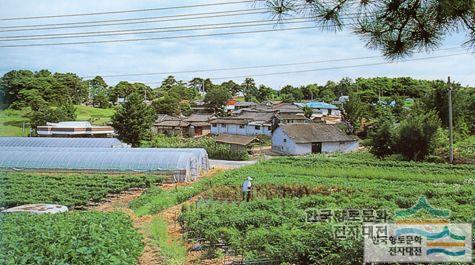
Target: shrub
{"type": "Point", "coordinates": [214, 149]}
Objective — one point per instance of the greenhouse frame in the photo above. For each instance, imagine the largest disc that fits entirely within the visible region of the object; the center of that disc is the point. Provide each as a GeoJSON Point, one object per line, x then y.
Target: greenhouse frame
{"type": "Point", "coordinates": [60, 142]}
{"type": "Point", "coordinates": [183, 166]}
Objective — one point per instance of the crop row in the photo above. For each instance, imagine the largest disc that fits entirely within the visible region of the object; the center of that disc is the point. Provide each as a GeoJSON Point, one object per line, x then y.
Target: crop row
{"type": "Point", "coordinates": [69, 238]}
{"type": "Point", "coordinates": [66, 189]}
{"type": "Point", "coordinates": [273, 225]}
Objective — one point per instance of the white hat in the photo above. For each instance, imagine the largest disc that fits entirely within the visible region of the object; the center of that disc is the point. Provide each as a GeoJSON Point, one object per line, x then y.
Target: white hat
{"type": "Point", "coordinates": [249, 178]}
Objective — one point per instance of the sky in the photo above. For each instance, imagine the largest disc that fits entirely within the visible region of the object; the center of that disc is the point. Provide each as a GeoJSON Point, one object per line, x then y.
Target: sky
{"type": "Point", "coordinates": [211, 52]}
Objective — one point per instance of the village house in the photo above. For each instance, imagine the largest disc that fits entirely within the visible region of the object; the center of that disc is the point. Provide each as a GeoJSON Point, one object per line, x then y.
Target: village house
{"type": "Point", "coordinates": [74, 129]}
{"type": "Point", "coordinates": [237, 142]}
{"type": "Point", "coordinates": [301, 139]}
{"type": "Point", "coordinates": [198, 124]}
{"type": "Point", "coordinates": [195, 125]}
{"type": "Point", "coordinates": [322, 108]}
{"type": "Point", "coordinates": [169, 125]}
{"type": "Point", "coordinates": [247, 123]}
{"type": "Point", "coordinates": [285, 118]}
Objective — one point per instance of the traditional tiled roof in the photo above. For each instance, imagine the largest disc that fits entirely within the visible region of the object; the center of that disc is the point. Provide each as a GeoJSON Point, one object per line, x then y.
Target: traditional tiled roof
{"type": "Point", "coordinates": [316, 132]}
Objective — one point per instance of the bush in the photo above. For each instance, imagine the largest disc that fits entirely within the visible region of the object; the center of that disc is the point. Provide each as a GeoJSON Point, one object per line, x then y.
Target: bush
{"type": "Point", "coordinates": [214, 149]}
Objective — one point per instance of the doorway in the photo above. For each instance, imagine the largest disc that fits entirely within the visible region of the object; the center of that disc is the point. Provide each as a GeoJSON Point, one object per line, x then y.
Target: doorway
{"type": "Point", "coordinates": [316, 148]}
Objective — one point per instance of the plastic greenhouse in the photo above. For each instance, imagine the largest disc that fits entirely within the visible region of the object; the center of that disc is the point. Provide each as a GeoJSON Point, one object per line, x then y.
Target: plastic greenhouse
{"type": "Point", "coordinates": [59, 142]}
{"type": "Point", "coordinates": [182, 165]}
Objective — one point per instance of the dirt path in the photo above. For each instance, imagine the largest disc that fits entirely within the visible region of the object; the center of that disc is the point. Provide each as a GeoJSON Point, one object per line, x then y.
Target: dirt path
{"type": "Point", "coordinates": [151, 254]}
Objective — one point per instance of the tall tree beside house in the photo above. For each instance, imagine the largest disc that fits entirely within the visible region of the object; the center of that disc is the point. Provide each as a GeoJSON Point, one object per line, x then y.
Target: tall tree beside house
{"type": "Point", "coordinates": [307, 111]}
{"type": "Point", "coordinates": [216, 98]}
{"type": "Point", "coordinates": [249, 89]}
{"type": "Point", "coordinates": [167, 105]}
{"type": "Point", "coordinates": [396, 27]}
{"type": "Point", "coordinates": [45, 113]}
{"type": "Point", "coordinates": [383, 134]}
{"type": "Point", "coordinates": [416, 135]}
{"type": "Point", "coordinates": [133, 120]}
{"type": "Point", "coordinates": [354, 110]}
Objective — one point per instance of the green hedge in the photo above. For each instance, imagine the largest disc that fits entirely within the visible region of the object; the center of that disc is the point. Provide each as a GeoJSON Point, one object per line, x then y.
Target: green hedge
{"type": "Point", "coordinates": [215, 150]}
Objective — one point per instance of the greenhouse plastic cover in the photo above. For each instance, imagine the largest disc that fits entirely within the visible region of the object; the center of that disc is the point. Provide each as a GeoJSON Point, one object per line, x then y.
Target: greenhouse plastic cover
{"type": "Point", "coordinates": [100, 159]}
{"type": "Point", "coordinates": [59, 142]}
{"type": "Point", "coordinates": [200, 153]}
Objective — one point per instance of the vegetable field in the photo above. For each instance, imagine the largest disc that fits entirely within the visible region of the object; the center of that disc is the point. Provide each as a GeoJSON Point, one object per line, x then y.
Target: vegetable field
{"type": "Point", "coordinates": [273, 225]}
{"type": "Point", "coordinates": [71, 238]}
{"type": "Point", "coordinates": [71, 190]}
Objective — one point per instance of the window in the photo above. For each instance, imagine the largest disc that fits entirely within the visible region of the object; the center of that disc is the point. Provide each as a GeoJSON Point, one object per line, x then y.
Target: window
{"type": "Point", "coordinates": [257, 127]}
{"type": "Point", "coordinates": [241, 126]}
{"type": "Point", "coordinates": [223, 125]}
{"type": "Point", "coordinates": [285, 140]}
{"type": "Point", "coordinates": [214, 125]}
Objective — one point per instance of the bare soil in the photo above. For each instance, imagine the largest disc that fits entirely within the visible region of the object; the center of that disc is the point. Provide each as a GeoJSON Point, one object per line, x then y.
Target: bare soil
{"type": "Point", "coordinates": [151, 254]}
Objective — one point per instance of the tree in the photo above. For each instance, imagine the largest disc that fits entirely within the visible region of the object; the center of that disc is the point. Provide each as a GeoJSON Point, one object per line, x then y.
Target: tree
{"type": "Point", "coordinates": [216, 98]}
{"type": "Point", "coordinates": [98, 92]}
{"type": "Point", "coordinates": [232, 87]}
{"type": "Point", "coordinates": [383, 135]}
{"type": "Point", "coordinates": [168, 83]}
{"type": "Point", "coordinates": [13, 82]}
{"type": "Point", "coordinates": [416, 135]}
{"type": "Point", "coordinates": [167, 105]}
{"type": "Point", "coordinates": [354, 110]}
{"type": "Point", "coordinates": [133, 120]}
{"type": "Point", "coordinates": [249, 89]}
{"type": "Point", "coordinates": [293, 93]}
{"type": "Point", "coordinates": [396, 27]}
{"type": "Point", "coordinates": [264, 93]}
{"type": "Point", "coordinates": [307, 111]}
{"type": "Point", "coordinates": [77, 89]}
{"type": "Point", "coordinates": [101, 100]}
{"type": "Point", "coordinates": [46, 114]}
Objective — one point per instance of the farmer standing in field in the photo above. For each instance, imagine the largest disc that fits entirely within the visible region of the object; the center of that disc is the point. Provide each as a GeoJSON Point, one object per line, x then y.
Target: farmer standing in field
{"type": "Point", "coordinates": [247, 189]}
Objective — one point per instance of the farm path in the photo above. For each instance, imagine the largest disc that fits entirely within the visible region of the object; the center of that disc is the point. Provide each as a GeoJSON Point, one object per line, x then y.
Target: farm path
{"type": "Point", "coordinates": [151, 254]}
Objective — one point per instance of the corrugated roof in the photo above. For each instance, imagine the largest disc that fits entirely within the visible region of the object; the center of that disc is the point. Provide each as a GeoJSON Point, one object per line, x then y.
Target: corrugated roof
{"type": "Point", "coordinates": [292, 116]}
{"type": "Point", "coordinates": [315, 132]}
{"type": "Point", "coordinates": [235, 139]}
{"type": "Point", "coordinates": [317, 105]}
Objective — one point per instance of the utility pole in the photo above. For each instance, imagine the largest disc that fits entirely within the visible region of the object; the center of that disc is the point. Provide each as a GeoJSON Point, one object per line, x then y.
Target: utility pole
{"type": "Point", "coordinates": [451, 138]}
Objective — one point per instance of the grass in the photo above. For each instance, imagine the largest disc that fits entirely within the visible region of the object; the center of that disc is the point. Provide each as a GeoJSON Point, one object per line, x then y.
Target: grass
{"type": "Point", "coordinates": [172, 251]}
{"type": "Point", "coordinates": [95, 115]}
{"type": "Point", "coordinates": [11, 121]}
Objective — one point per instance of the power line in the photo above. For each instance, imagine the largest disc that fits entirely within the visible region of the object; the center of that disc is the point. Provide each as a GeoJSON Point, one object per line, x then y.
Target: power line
{"type": "Point", "coordinates": [338, 67]}
{"type": "Point", "coordinates": [131, 21]}
{"type": "Point", "coordinates": [150, 30]}
{"type": "Point", "coordinates": [251, 67]}
{"type": "Point", "coordinates": [329, 68]}
{"type": "Point", "coordinates": [128, 11]}
{"type": "Point", "coordinates": [155, 38]}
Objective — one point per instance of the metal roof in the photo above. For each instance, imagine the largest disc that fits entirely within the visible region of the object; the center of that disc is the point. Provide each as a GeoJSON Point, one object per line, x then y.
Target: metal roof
{"type": "Point", "coordinates": [59, 142]}
{"type": "Point", "coordinates": [317, 105]}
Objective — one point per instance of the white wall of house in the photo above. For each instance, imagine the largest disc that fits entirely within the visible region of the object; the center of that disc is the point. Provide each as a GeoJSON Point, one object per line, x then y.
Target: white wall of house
{"type": "Point", "coordinates": [343, 147]}
{"type": "Point", "coordinates": [240, 129]}
{"type": "Point", "coordinates": [282, 143]}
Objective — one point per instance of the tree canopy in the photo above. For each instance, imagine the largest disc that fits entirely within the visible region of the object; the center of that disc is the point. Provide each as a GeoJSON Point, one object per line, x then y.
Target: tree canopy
{"type": "Point", "coordinates": [395, 27]}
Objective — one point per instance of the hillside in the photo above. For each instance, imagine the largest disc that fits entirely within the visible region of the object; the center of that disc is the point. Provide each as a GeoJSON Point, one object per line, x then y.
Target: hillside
{"type": "Point", "coordinates": [11, 121]}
